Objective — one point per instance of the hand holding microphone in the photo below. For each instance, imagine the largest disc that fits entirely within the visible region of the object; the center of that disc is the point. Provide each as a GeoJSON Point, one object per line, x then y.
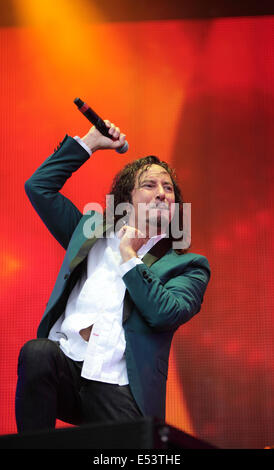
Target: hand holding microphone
{"type": "Point", "coordinates": [100, 136]}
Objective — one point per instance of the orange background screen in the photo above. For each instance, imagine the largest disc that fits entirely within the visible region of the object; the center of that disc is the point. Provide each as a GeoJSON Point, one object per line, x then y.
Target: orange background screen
{"type": "Point", "coordinates": [199, 94]}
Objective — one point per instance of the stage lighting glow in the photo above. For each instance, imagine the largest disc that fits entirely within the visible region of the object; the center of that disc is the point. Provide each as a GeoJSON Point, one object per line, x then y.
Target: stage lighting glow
{"type": "Point", "coordinates": [61, 27]}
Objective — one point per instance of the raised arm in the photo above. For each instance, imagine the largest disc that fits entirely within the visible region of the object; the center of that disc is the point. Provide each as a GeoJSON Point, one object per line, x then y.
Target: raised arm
{"type": "Point", "coordinates": [57, 212]}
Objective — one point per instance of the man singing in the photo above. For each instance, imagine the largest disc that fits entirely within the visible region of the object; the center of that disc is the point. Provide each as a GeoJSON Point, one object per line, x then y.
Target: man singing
{"type": "Point", "coordinates": [102, 347]}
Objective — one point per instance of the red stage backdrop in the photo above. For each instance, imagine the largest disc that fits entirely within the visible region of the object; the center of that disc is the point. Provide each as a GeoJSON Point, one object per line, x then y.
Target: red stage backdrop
{"type": "Point", "coordinates": [199, 94]}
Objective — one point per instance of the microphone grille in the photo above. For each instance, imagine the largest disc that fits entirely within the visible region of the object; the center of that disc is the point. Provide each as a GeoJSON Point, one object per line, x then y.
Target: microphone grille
{"type": "Point", "coordinates": [123, 149]}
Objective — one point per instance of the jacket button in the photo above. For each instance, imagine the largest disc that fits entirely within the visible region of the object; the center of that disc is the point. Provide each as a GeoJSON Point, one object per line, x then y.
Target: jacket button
{"type": "Point", "coordinates": [145, 275]}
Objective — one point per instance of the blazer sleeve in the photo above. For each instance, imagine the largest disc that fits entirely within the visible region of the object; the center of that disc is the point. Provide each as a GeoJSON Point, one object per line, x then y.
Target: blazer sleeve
{"type": "Point", "coordinates": [169, 305]}
{"type": "Point", "coordinates": [57, 212]}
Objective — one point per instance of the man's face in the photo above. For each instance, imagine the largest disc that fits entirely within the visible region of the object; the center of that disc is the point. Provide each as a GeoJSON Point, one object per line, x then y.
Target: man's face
{"type": "Point", "coordinates": [152, 198]}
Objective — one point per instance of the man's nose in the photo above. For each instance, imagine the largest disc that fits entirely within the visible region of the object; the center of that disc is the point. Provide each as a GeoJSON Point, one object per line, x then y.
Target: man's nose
{"type": "Point", "coordinates": [160, 193]}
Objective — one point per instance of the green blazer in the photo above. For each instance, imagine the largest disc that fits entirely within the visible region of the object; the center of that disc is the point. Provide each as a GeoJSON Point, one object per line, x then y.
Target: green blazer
{"type": "Point", "coordinates": [161, 294]}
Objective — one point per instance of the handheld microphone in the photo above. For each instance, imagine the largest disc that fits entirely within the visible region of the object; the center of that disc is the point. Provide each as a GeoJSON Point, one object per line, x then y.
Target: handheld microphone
{"type": "Point", "coordinates": [97, 122]}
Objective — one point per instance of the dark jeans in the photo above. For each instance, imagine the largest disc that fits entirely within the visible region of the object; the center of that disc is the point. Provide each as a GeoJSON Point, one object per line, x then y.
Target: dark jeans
{"type": "Point", "coordinates": [50, 386]}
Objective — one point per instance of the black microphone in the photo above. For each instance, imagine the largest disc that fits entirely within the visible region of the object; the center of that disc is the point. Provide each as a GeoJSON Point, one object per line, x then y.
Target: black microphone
{"type": "Point", "coordinates": [97, 122]}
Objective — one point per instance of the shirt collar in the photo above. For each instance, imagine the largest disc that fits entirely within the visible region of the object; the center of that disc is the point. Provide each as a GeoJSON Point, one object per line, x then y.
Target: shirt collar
{"type": "Point", "coordinates": [149, 244]}
{"type": "Point", "coordinates": [146, 247]}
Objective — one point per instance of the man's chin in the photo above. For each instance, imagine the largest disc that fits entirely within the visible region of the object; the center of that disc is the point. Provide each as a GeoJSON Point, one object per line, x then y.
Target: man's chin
{"type": "Point", "coordinates": [158, 222]}
{"type": "Point", "coordinates": [159, 215]}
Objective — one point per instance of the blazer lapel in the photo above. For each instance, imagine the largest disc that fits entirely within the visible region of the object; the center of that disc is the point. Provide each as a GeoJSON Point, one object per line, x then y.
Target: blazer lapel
{"type": "Point", "coordinates": [157, 251]}
{"type": "Point", "coordinates": [84, 249]}
{"type": "Point", "coordinates": [153, 255]}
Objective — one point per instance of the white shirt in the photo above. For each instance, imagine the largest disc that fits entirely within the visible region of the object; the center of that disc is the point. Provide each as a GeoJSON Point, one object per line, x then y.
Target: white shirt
{"type": "Point", "coordinates": [97, 299]}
